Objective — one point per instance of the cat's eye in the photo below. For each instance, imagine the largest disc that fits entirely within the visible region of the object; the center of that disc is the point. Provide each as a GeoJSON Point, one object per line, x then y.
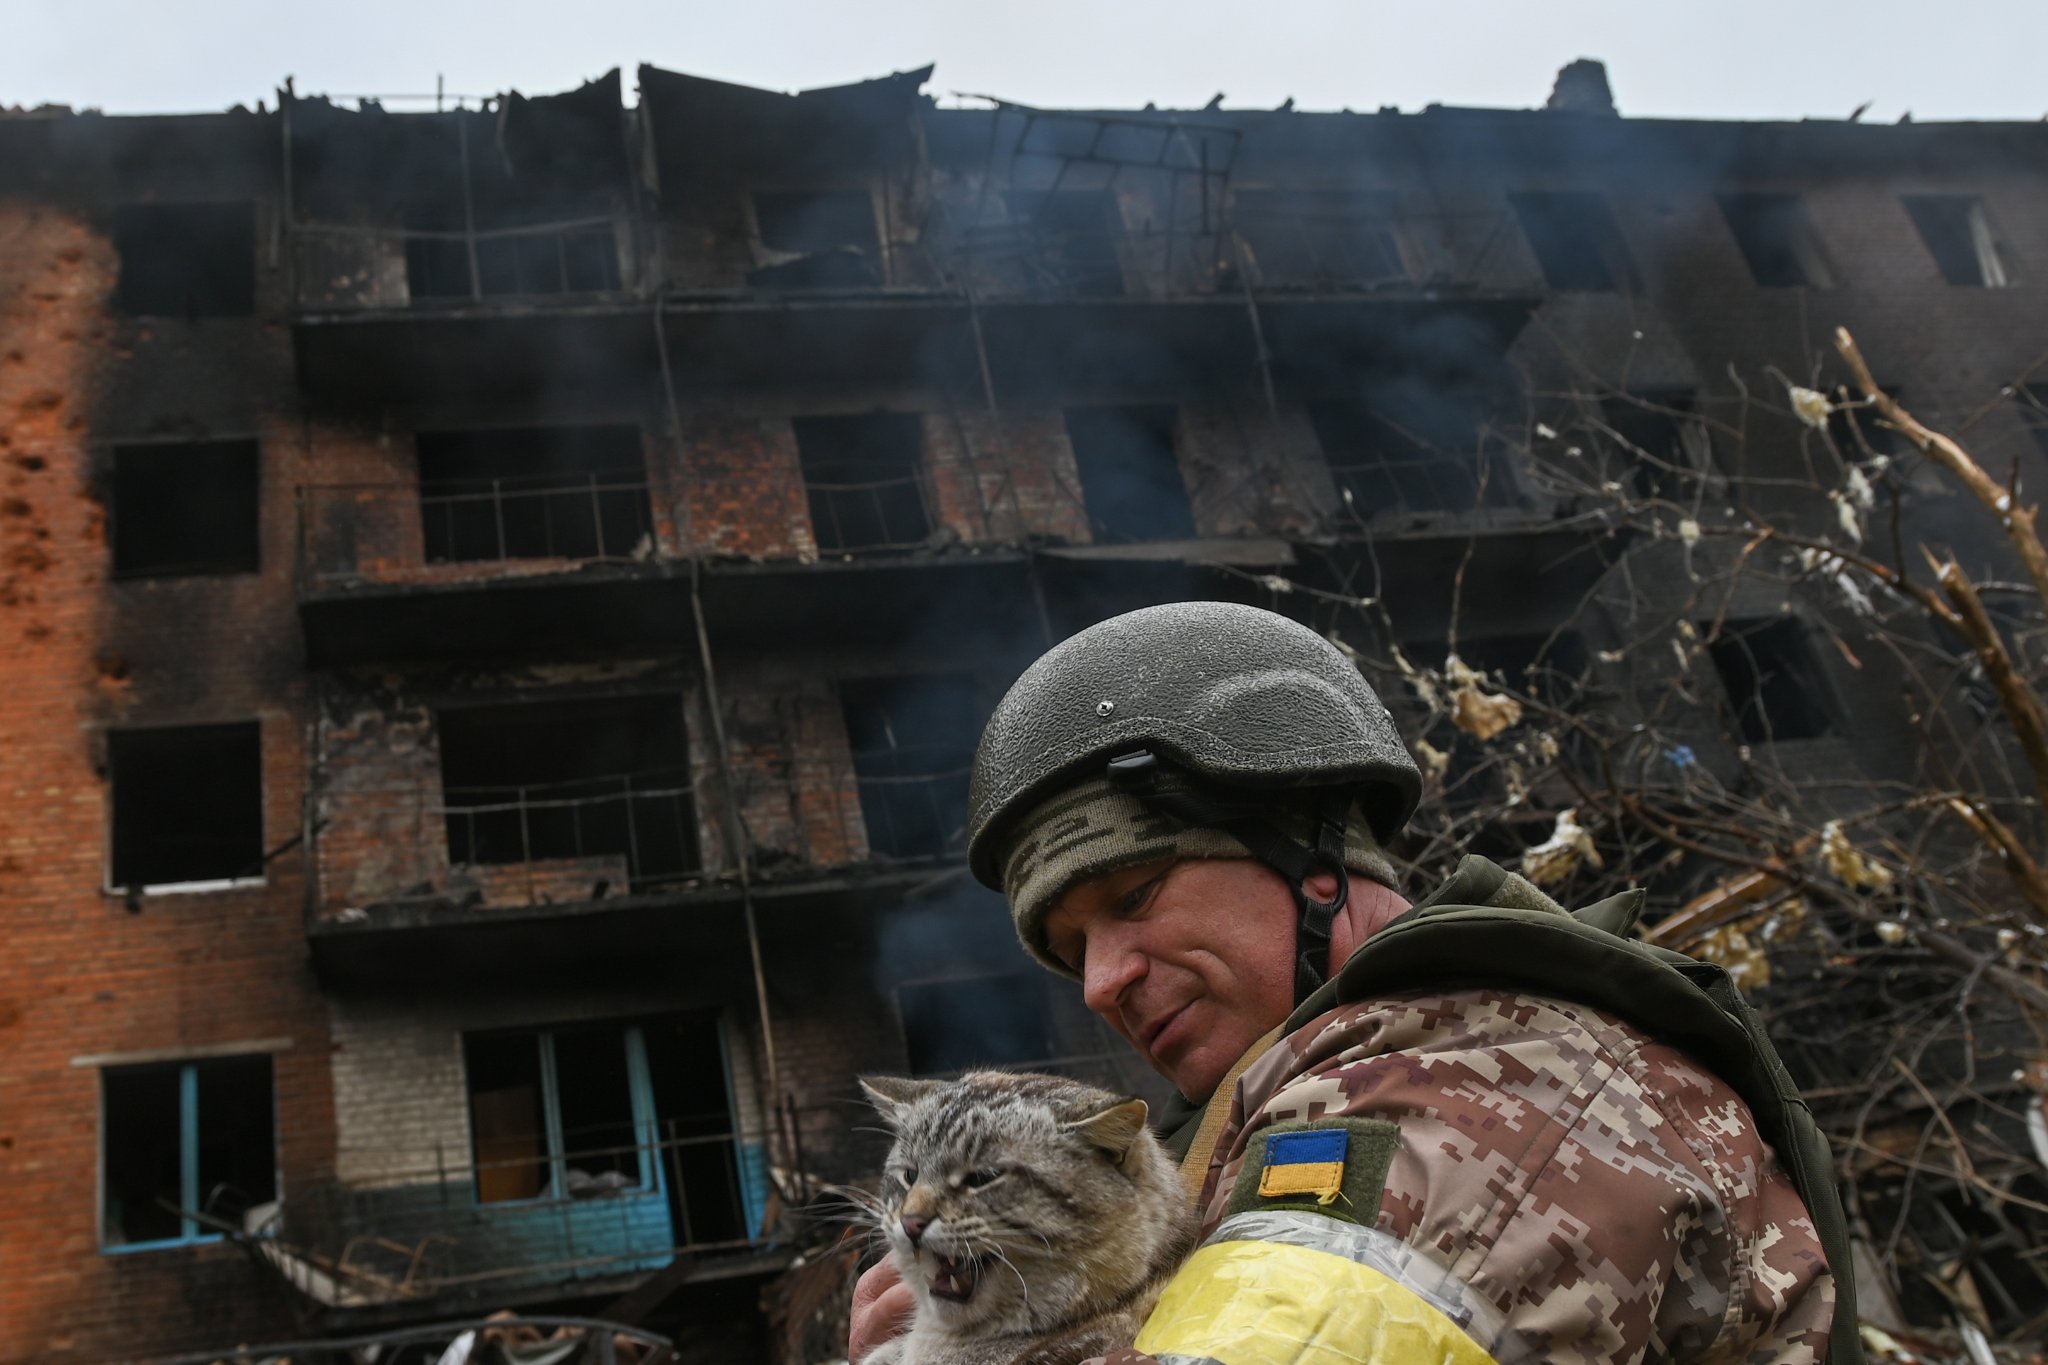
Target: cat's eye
{"type": "Point", "coordinates": [974, 1180]}
{"type": "Point", "coordinates": [908, 1175]}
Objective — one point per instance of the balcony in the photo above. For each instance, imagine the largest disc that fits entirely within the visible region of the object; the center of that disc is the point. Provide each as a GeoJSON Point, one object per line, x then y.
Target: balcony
{"type": "Point", "coordinates": [463, 564]}
{"type": "Point", "coordinates": [527, 882]}
{"type": "Point", "coordinates": [584, 563]}
{"type": "Point", "coordinates": [425, 1229]}
{"type": "Point", "coordinates": [390, 314]}
{"type": "Point", "coordinates": [464, 251]}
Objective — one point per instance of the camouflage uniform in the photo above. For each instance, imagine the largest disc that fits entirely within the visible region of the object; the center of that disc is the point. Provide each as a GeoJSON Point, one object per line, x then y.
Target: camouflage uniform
{"type": "Point", "coordinates": [1559, 1185]}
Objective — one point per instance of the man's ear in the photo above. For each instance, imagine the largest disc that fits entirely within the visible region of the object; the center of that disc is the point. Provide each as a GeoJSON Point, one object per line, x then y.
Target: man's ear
{"type": "Point", "coordinates": [1114, 1129]}
{"type": "Point", "coordinates": [895, 1096]}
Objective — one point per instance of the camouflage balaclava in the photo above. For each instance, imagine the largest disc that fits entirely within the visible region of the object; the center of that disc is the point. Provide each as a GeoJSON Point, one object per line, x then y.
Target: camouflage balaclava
{"type": "Point", "coordinates": [1093, 828]}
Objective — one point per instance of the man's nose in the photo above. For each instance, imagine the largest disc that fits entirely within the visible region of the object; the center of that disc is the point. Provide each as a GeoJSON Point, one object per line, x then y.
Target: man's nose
{"type": "Point", "coordinates": [1110, 969]}
{"type": "Point", "coordinates": [914, 1225]}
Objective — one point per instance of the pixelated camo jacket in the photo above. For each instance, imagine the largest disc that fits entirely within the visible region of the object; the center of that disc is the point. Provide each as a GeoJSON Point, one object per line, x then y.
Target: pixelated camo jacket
{"type": "Point", "coordinates": [1595, 1195]}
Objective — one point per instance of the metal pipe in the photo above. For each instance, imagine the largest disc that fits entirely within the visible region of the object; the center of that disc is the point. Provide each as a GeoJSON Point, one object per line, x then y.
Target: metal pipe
{"type": "Point", "coordinates": [734, 834]}
{"type": "Point", "coordinates": [476, 279]}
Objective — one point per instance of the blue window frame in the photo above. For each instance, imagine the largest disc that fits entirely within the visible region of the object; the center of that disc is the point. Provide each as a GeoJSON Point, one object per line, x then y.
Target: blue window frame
{"type": "Point", "coordinates": [561, 1114]}
{"type": "Point", "coordinates": [182, 1138]}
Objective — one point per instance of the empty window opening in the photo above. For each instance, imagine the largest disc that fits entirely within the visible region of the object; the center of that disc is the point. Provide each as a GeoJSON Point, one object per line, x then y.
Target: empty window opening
{"type": "Point", "coordinates": [188, 804]}
{"type": "Point", "coordinates": [1072, 237]}
{"type": "Point", "coordinates": [1551, 668]}
{"type": "Point", "coordinates": [607, 1110]}
{"type": "Point", "coordinates": [1777, 239]}
{"type": "Point", "coordinates": [556, 1113]}
{"type": "Point", "coordinates": [186, 260]}
{"type": "Point", "coordinates": [508, 1122]}
{"type": "Point", "coordinates": [1326, 239]}
{"type": "Point", "coordinates": [1130, 477]}
{"type": "Point", "coordinates": [913, 742]}
{"type": "Point", "coordinates": [181, 1139]}
{"type": "Point", "coordinates": [1661, 442]}
{"type": "Point", "coordinates": [535, 493]}
{"type": "Point", "coordinates": [1407, 446]}
{"type": "Point", "coordinates": [864, 481]}
{"type": "Point", "coordinates": [1773, 681]}
{"type": "Point", "coordinates": [696, 1130]}
{"type": "Point", "coordinates": [530, 250]}
{"type": "Point", "coordinates": [603, 781]}
{"type": "Point", "coordinates": [185, 507]}
{"type": "Point", "coordinates": [823, 240]}
{"type": "Point", "coordinates": [1575, 239]}
{"type": "Point", "coordinates": [951, 1026]}
{"type": "Point", "coordinates": [1959, 237]}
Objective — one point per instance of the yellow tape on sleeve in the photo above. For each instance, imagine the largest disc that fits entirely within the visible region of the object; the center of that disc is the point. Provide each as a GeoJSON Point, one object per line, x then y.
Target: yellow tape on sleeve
{"type": "Point", "coordinates": [1265, 1303]}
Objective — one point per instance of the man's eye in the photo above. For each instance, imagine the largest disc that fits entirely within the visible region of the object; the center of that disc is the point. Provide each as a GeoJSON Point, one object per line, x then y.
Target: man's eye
{"type": "Point", "coordinates": [974, 1180]}
{"type": "Point", "coordinates": [1137, 895]}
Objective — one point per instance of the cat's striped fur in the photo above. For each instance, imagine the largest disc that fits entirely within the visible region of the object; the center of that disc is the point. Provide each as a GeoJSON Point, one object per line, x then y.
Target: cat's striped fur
{"type": "Point", "coordinates": [1047, 1218]}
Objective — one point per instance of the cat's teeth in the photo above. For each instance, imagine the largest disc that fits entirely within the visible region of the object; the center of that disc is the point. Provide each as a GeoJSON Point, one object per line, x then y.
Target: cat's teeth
{"type": "Point", "coordinates": [954, 1280]}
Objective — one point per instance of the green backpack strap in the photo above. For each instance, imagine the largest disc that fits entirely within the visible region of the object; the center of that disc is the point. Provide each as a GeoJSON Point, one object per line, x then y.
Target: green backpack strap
{"type": "Point", "coordinates": [1691, 1005]}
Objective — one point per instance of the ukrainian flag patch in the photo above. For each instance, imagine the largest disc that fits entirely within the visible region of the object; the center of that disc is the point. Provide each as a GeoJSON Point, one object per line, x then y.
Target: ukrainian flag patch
{"type": "Point", "coordinates": [1335, 1166]}
{"type": "Point", "coordinates": [1307, 1163]}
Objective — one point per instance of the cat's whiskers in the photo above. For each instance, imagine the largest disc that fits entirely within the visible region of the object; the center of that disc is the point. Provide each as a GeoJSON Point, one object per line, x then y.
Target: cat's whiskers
{"type": "Point", "coordinates": [1023, 1285]}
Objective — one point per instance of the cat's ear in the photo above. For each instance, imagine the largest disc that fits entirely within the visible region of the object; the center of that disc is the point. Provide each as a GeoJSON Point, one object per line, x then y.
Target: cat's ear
{"type": "Point", "coordinates": [1114, 1129]}
{"type": "Point", "coordinates": [893, 1096]}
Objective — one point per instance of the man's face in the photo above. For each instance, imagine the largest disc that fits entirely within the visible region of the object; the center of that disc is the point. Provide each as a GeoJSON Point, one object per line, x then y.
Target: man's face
{"type": "Point", "coordinates": [1191, 961]}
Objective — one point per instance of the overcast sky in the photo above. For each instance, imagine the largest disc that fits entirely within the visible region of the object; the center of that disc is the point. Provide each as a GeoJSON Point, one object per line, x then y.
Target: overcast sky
{"type": "Point", "coordinates": [1941, 59]}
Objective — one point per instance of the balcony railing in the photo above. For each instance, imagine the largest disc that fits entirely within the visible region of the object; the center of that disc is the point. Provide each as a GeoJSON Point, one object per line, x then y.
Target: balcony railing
{"type": "Point", "coordinates": [915, 814]}
{"type": "Point", "coordinates": [414, 1224]}
{"type": "Point", "coordinates": [593, 515]}
{"type": "Point", "coordinates": [581, 841]}
{"type": "Point", "coordinates": [641, 824]}
{"type": "Point", "coordinates": [493, 847]}
{"type": "Point", "coordinates": [454, 530]}
{"type": "Point", "coordinates": [871, 517]}
{"type": "Point", "coordinates": [339, 268]}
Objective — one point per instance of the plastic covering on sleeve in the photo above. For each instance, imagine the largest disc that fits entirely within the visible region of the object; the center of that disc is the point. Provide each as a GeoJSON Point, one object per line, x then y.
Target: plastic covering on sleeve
{"type": "Point", "coordinates": [1285, 1288]}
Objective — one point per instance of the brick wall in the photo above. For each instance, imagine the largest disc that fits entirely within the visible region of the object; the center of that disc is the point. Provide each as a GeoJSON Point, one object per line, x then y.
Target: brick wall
{"type": "Point", "coordinates": [743, 490]}
{"type": "Point", "coordinates": [87, 975]}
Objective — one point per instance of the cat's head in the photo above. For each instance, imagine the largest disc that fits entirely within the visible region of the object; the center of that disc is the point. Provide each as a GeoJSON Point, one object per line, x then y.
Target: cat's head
{"type": "Point", "coordinates": [1006, 1197]}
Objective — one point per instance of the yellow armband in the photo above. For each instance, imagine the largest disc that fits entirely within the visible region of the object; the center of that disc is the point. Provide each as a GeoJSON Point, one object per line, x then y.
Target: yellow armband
{"type": "Point", "coordinates": [1298, 1289]}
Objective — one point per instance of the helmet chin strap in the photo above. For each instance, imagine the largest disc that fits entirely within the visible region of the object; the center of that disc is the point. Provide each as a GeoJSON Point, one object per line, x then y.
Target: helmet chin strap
{"type": "Point", "coordinates": [1174, 794]}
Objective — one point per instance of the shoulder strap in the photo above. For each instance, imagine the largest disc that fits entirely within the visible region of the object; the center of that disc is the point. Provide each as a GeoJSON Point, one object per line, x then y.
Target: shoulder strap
{"type": "Point", "coordinates": [1688, 1004]}
{"type": "Point", "coordinates": [1194, 1167]}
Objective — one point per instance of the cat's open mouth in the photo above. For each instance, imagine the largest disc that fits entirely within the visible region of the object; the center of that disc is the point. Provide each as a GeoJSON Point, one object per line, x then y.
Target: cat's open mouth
{"type": "Point", "coordinates": [955, 1280]}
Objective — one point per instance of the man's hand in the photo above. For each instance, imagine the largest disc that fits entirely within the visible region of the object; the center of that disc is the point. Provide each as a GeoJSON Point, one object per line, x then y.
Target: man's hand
{"type": "Point", "coordinates": [882, 1308]}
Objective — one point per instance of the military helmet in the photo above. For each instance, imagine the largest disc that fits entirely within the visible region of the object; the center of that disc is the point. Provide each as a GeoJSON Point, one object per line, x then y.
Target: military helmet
{"type": "Point", "coordinates": [1232, 694]}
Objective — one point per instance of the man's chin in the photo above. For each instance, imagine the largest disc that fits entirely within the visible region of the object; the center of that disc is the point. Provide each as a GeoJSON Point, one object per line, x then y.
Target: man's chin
{"type": "Point", "coordinates": [1198, 1066]}
{"type": "Point", "coordinates": [1194, 1071]}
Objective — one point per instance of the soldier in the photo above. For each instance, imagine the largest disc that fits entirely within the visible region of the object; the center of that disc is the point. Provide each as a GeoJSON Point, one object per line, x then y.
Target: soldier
{"type": "Point", "coordinates": [1476, 1129]}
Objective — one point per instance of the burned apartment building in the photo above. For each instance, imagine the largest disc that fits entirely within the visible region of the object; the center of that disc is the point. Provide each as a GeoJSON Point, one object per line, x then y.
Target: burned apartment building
{"type": "Point", "coordinates": [497, 604]}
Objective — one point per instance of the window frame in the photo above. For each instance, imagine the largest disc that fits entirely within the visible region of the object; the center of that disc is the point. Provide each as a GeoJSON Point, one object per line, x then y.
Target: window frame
{"type": "Point", "coordinates": [200, 885]}
{"type": "Point", "coordinates": [129, 450]}
{"type": "Point", "coordinates": [1607, 242]}
{"type": "Point", "coordinates": [1752, 215]}
{"type": "Point", "coordinates": [150, 219]}
{"type": "Point", "coordinates": [777, 189]}
{"type": "Point", "coordinates": [1987, 248]}
{"type": "Point", "coordinates": [639, 1088]}
{"type": "Point", "coordinates": [191, 1232]}
{"type": "Point", "coordinates": [1797, 657]}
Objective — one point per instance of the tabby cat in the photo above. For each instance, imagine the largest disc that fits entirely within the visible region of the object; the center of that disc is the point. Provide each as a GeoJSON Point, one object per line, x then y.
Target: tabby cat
{"type": "Point", "coordinates": [1035, 1218]}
